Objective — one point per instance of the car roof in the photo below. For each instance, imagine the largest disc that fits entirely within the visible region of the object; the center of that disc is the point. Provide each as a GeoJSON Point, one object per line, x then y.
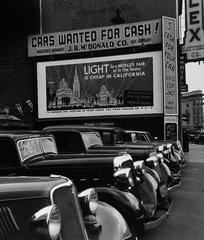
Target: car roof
{"type": "Point", "coordinates": [135, 131]}
{"type": "Point", "coordinates": [82, 127]}
{"type": "Point", "coordinates": [20, 134]}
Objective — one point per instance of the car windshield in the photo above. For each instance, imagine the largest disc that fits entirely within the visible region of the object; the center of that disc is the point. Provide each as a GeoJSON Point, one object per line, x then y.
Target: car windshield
{"type": "Point", "coordinates": [91, 139]}
{"type": "Point", "coordinates": [32, 147]}
{"type": "Point", "coordinates": [149, 137]}
{"type": "Point", "coordinates": [49, 145]}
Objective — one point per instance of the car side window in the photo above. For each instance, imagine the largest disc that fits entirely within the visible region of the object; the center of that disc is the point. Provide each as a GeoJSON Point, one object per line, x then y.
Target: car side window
{"type": "Point", "coordinates": [137, 136]}
{"type": "Point", "coordinates": [142, 137]}
{"type": "Point", "coordinates": [128, 137]}
{"type": "Point", "coordinates": [106, 138]}
{"type": "Point", "coordinates": [9, 157]}
{"type": "Point", "coordinates": [68, 142]}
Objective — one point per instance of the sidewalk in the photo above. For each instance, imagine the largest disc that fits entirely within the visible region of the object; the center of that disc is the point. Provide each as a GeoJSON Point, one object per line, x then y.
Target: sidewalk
{"type": "Point", "coordinates": [186, 221]}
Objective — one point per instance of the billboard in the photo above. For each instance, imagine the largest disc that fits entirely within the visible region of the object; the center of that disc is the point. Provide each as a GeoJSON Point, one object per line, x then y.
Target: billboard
{"type": "Point", "coordinates": [95, 39]}
{"type": "Point", "coordinates": [107, 86]}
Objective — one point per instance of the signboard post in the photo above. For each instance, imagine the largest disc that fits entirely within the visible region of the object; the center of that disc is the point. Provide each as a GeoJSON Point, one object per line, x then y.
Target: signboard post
{"type": "Point", "coordinates": [182, 74]}
{"type": "Point", "coordinates": [170, 75]}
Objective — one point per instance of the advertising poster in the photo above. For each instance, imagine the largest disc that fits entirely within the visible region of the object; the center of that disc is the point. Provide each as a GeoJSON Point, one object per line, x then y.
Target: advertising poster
{"type": "Point", "coordinates": [95, 39]}
{"type": "Point", "coordinates": [170, 74]}
{"type": "Point", "coordinates": [171, 128]}
{"type": "Point", "coordinates": [115, 85]}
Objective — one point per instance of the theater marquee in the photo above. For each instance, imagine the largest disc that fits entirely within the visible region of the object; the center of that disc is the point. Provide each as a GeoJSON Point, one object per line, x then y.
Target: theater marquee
{"type": "Point", "coordinates": [106, 86]}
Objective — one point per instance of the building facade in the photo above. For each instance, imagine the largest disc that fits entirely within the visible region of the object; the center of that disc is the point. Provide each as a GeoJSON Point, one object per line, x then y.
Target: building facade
{"type": "Point", "coordinates": [192, 110]}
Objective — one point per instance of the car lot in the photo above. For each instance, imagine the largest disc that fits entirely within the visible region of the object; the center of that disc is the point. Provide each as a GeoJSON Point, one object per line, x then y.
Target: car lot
{"type": "Point", "coordinates": [187, 215]}
{"type": "Point", "coordinates": [39, 154]}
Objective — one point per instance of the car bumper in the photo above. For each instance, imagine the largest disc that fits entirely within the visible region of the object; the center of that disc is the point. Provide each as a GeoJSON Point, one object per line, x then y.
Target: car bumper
{"type": "Point", "coordinates": [160, 216]}
{"type": "Point", "coordinates": [176, 185]}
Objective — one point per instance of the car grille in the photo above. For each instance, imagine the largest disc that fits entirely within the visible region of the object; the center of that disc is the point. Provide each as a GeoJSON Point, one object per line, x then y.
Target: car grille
{"type": "Point", "coordinates": [72, 224]}
{"type": "Point", "coordinates": [8, 224]}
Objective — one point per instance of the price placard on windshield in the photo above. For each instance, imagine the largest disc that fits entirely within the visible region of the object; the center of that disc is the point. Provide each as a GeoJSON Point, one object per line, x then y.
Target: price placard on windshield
{"type": "Point", "coordinates": [29, 148]}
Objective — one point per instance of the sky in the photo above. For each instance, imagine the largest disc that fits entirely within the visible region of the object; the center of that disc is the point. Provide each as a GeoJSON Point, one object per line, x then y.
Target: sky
{"type": "Point", "coordinates": [195, 76]}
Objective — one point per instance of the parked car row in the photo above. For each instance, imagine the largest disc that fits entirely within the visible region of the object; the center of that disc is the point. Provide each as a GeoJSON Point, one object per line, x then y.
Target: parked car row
{"type": "Point", "coordinates": [78, 182]}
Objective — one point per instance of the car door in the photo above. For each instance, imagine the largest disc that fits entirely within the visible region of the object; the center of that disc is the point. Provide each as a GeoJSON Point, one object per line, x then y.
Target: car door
{"type": "Point", "coordinates": [8, 157]}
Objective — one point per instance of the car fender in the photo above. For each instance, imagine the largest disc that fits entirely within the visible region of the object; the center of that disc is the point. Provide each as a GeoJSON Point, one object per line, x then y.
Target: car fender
{"type": "Point", "coordinates": [125, 202]}
{"type": "Point", "coordinates": [177, 156]}
{"type": "Point", "coordinates": [113, 225]}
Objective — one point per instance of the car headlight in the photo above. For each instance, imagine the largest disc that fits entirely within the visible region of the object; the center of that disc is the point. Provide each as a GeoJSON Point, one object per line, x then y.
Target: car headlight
{"type": "Point", "coordinates": [152, 161]}
{"type": "Point", "coordinates": [47, 222]}
{"type": "Point", "coordinates": [160, 155]}
{"type": "Point", "coordinates": [124, 177]}
{"type": "Point", "coordinates": [153, 153]}
{"type": "Point", "coordinates": [166, 152]}
{"type": "Point", "coordinates": [88, 200]}
{"type": "Point", "coordinates": [130, 179]}
{"type": "Point", "coordinates": [89, 204]}
{"type": "Point", "coordinates": [169, 147]}
{"type": "Point", "coordinates": [160, 148]}
{"type": "Point", "coordinates": [138, 164]}
{"type": "Point", "coordinates": [122, 161]}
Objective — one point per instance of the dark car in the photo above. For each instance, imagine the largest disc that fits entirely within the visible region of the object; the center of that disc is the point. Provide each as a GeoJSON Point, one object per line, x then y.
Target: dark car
{"type": "Point", "coordinates": [193, 136]}
{"type": "Point", "coordinates": [200, 138]}
{"type": "Point", "coordinates": [10, 122]}
{"type": "Point", "coordinates": [48, 208]}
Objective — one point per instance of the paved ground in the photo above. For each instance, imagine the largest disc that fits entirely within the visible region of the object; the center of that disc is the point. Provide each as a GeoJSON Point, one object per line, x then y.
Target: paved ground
{"type": "Point", "coordinates": [186, 221]}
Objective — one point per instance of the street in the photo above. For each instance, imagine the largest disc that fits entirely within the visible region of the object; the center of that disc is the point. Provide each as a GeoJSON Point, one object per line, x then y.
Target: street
{"type": "Point", "coordinates": [186, 221]}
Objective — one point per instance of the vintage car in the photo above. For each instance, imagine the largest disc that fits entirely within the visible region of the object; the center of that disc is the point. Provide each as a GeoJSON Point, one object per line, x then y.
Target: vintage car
{"type": "Point", "coordinates": [8, 122]}
{"type": "Point", "coordinates": [143, 136]}
{"type": "Point", "coordinates": [71, 138]}
{"type": "Point", "coordinates": [35, 154]}
{"type": "Point", "coordinates": [118, 137]}
{"type": "Point", "coordinates": [48, 208]}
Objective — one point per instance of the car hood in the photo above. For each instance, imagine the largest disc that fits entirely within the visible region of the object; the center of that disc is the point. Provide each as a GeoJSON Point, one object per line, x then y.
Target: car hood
{"type": "Point", "coordinates": [131, 149]}
{"type": "Point", "coordinates": [27, 187]}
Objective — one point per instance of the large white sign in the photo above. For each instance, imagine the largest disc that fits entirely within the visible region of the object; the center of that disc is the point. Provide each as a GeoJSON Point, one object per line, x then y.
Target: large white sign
{"type": "Point", "coordinates": [106, 86]}
{"type": "Point", "coordinates": [170, 66]}
{"type": "Point", "coordinates": [194, 35]}
{"type": "Point", "coordinates": [93, 39]}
